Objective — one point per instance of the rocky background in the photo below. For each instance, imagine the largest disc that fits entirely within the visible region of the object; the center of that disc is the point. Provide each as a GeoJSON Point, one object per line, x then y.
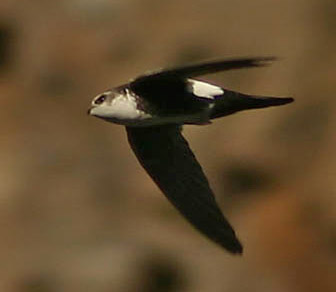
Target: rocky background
{"type": "Point", "coordinates": [78, 213]}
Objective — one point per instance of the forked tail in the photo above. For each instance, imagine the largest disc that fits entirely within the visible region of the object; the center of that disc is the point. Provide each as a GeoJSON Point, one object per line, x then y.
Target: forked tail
{"type": "Point", "coordinates": [231, 102]}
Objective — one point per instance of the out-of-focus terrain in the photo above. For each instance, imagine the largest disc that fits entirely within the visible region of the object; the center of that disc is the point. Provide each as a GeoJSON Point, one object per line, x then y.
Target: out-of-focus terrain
{"type": "Point", "coordinates": [77, 212]}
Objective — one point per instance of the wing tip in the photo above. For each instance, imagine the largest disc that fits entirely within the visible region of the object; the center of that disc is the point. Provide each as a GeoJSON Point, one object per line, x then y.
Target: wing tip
{"type": "Point", "coordinates": [234, 247]}
{"type": "Point", "coordinates": [263, 61]}
{"type": "Point", "coordinates": [238, 250]}
{"type": "Point", "coordinates": [230, 243]}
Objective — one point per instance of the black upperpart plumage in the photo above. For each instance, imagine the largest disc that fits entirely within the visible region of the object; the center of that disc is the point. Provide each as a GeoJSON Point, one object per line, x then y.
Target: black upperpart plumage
{"type": "Point", "coordinates": [167, 90]}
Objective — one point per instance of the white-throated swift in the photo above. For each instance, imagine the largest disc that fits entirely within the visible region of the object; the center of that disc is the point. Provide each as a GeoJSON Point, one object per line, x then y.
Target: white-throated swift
{"type": "Point", "coordinates": [154, 107]}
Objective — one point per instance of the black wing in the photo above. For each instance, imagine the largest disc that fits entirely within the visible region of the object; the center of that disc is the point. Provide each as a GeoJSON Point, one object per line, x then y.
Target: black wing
{"type": "Point", "coordinates": [167, 158]}
{"type": "Point", "coordinates": [167, 89]}
{"type": "Point", "coordinates": [207, 68]}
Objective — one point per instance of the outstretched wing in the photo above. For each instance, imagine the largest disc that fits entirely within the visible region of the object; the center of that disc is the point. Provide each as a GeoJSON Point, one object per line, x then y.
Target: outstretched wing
{"type": "Point", "coordinates": [207, 68]}
{"type": "Point", "coordinates": [167, 158]}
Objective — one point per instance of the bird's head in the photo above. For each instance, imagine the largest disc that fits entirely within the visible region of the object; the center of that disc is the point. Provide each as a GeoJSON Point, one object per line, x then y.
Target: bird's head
{"type": "Point", "coordinates": [101, 104]}
{"type": "Point", "coordinates": [116, 105]}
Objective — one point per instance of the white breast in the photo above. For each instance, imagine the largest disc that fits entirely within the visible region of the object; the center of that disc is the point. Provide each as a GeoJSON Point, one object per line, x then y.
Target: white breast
{"type": "Point", "coordinates": [124, 107]}
{"type": "Point", "coordinates": [204, 89]}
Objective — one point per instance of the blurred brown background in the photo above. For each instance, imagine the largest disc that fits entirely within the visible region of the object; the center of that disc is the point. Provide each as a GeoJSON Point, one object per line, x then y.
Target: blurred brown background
{"type": "Point", "coordinates": [77, 212]}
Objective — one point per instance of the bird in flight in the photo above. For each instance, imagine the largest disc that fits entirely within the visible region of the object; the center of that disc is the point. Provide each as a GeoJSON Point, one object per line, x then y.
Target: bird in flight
{"type": "Point", "coordinates": [153, 107]}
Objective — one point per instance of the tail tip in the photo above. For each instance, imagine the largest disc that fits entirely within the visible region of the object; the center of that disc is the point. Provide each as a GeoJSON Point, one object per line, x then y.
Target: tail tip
{"type": "Point", "coordinates": [285, 100]}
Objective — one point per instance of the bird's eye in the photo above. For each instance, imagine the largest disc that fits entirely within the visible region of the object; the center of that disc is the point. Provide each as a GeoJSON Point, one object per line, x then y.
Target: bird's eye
{"type": "Point", "coordinates": [100, 99]}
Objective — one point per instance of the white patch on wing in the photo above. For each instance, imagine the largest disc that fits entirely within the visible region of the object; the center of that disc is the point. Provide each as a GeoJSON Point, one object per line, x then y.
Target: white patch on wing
{"type": "Point", "coordinates": [204, 89]}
